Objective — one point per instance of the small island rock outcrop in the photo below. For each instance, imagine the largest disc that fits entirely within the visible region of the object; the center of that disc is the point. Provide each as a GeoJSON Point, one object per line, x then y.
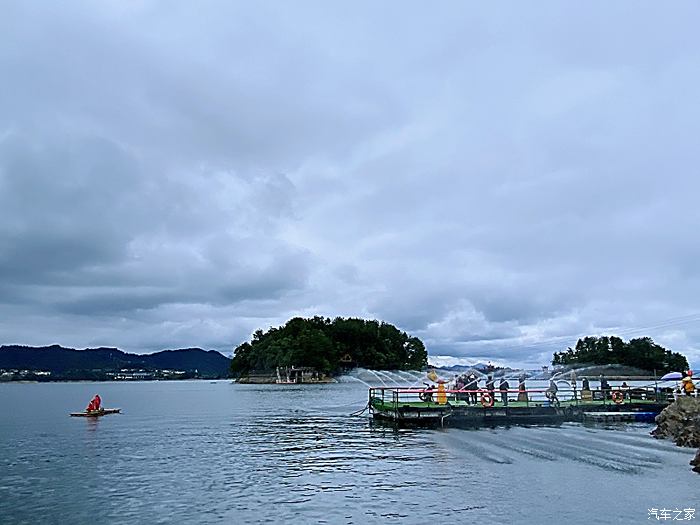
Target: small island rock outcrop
{"type": "Point", "coordinates": [327, 347]}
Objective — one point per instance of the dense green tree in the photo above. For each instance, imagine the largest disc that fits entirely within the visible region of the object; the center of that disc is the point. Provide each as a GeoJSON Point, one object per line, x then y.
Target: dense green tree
{"type": "Point", "coordinates": [321, 343]}
{"type": "Point", "coordinates": [641, 353]}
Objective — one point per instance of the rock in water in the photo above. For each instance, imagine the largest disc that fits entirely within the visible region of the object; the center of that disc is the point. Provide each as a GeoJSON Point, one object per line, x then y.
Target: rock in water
{"type": "Point", "coordinates": [680, 421]}
{"type": "Point", "coordinates": [696, 462]}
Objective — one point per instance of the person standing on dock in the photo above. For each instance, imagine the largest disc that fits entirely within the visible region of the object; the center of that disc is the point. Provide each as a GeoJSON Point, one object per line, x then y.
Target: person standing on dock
{"type": "Point", "coordinates": [551, 393]}
{"type": "Point", "coordinates": [604, 387]}
{"type": "Point", "coordinates": [586, 394]}
{"type": "Point", "coordinates": [625, 389]}
{"type": "Point", "coordinates": [472, 387]}
{"type": "Point", "coordinates": [491, 386]}
{"type": "Point", "coordinates": [688, 386]}
{"type": "Point", "coordinates": [522, 391]}
{"type": "Point", "coordinates": [459, 385]}
{"type": "Point", "coordinates": [503, 387]}
{"type": "Point", "coordinates": [427, 393]}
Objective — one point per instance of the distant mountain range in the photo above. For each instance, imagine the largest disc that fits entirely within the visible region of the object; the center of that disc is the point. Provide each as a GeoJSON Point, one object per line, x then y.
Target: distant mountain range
{"type": "Point", "coordinates": [96, 363]}
{"type": "Point", "coordinates": [497, 371]}
{"type": "Point", "coordinates": [463, 368]}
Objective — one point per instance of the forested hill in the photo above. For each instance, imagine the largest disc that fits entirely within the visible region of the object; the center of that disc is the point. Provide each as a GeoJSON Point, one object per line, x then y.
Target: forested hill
{"type": "Point", "coordinates": [642, 353]}
{"type": "Point", "coordinates": [89, 363]}
{"type": "Point", "coordinates": [329, 345]}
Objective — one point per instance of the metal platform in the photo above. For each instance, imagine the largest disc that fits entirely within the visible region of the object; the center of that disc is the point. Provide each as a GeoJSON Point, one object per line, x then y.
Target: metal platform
{"type": "Point", "coordinates": [408, 407]}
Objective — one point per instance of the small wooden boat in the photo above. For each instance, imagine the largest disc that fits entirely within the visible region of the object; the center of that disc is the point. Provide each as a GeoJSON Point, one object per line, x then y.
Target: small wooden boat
{"type": "Point", "coordinates": [96, 413]}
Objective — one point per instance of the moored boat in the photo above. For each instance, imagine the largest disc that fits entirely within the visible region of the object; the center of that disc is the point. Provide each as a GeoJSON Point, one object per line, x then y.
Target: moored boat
{"type": "Point", "coordinates": [97, 413]}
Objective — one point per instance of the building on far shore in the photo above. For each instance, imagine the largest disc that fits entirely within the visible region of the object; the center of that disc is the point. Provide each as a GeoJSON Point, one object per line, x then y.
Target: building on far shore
{"type": "Point", "coordinates": [22, 375]}
{"type": "Point", "coordinates": [129, 374]}
{"type": "Point", "coordinates": [347, 363]}
{"type": "Point", "coordinates": [299, 374]}
{"type": "Point", "coordinates": [133, 375]}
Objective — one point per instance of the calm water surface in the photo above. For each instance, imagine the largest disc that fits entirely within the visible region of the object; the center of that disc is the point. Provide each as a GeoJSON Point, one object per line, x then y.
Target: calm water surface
{"type": "Point", "coordinates": [202, 452]}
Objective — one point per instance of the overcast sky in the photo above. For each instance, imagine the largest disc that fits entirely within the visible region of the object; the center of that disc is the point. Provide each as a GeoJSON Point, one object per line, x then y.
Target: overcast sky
{"type": "Point", "coordinates": [495, 178]}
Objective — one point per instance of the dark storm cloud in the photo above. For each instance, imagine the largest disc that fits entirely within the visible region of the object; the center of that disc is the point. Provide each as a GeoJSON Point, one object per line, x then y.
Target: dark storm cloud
{"type": "Point", "coordinates": [495, 179]}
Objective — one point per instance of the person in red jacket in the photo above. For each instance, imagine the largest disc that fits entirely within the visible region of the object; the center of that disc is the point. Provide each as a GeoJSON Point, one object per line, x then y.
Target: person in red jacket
{"type": "Point", "coordinates": [94, 404]}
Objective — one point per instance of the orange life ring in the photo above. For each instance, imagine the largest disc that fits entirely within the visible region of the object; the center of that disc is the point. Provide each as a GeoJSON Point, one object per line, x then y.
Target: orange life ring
{"type": "Point", "coordinates": [618, 397]}
{"type": "Point", "coordinates": [486, 400]}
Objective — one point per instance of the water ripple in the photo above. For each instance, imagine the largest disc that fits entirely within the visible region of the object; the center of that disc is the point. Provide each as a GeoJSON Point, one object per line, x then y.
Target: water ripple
{"type": "Point", "coordinates": [200, 453]}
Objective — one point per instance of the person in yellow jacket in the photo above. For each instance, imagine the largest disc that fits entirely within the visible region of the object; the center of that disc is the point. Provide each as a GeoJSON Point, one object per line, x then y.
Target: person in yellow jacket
{"type": "Point", "coordinates": [688, 386]}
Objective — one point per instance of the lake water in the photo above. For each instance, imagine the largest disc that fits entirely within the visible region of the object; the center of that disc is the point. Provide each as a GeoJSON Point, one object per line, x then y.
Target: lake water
{"type": "Point", "coordinates": [202, 452]}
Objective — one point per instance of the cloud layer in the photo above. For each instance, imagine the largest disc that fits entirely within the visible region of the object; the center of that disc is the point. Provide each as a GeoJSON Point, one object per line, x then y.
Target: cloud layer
{"type": "Point", "coordinates": [497, 180]}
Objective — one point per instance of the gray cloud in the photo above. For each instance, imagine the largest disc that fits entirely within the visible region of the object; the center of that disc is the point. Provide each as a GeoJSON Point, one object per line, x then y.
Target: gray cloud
{"type": "Point", "coordinates": [496, 179]}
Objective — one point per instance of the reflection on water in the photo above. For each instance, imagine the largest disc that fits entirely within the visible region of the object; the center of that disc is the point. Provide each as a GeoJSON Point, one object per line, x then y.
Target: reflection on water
{"type": "Point", "coordinates": [220, 453]}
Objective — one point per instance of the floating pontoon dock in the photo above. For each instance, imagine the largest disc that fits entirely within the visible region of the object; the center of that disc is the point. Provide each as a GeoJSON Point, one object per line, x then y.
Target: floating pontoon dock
{"type": "Point", "coordinates": [474, 408]}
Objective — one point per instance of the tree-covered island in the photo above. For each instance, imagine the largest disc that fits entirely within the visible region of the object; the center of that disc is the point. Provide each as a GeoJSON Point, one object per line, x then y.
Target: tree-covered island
{"type": "Point", "coordinates": [641, 353]}
{"type": "Point", "coordinates": [329, 346]}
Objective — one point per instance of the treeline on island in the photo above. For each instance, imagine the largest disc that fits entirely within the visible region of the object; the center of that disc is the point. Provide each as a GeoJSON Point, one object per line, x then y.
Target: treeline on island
{"type": "Point", "coordinates": [328, 345]}
{"type": "Point", "coordinates": [641, 353]}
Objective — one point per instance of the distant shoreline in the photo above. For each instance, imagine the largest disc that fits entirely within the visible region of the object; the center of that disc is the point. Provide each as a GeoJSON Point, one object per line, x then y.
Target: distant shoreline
{"type": "Point", "coordinates": [273, 381]}
{"type": "Point", "coordinates": [116, 381]}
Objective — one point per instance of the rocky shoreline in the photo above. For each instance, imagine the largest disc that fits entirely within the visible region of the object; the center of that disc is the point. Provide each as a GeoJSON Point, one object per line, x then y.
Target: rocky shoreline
{"type": "Point", "coordinates": [680, 422]}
